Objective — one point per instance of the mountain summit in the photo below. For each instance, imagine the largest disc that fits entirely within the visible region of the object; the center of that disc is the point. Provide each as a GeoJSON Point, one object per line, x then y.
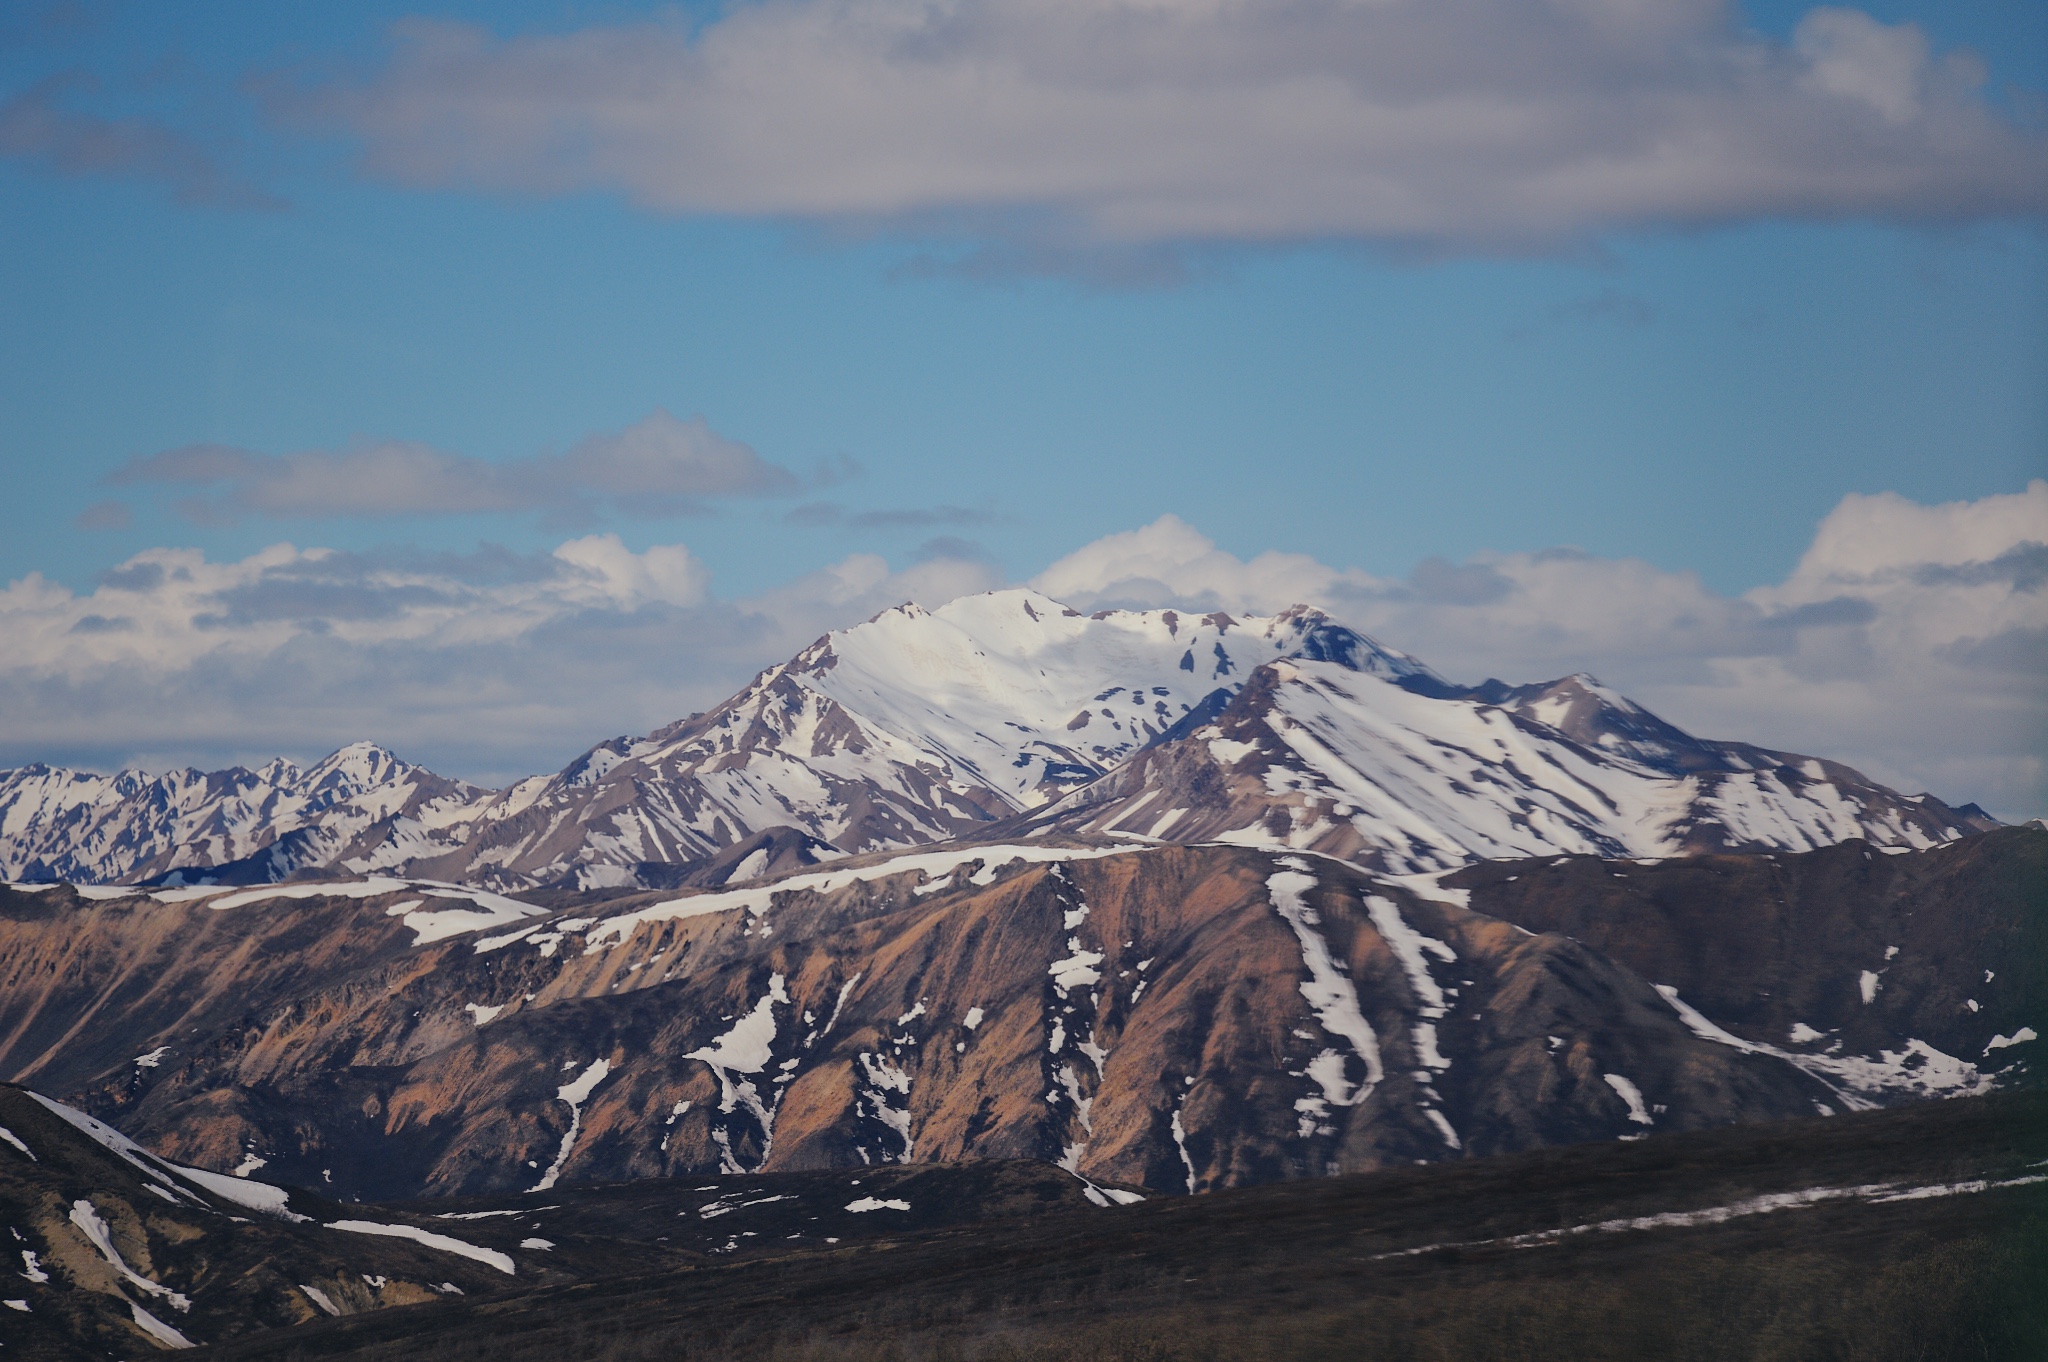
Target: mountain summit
{"type": "Point", "coordinates": [1009, 709]}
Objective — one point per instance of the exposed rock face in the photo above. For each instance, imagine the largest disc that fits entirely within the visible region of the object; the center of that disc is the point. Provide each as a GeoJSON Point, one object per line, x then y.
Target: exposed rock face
{"type": "Point", "coordinates": [1176, 1017]}
{"type": "Point", "coordinates": [918, 727]}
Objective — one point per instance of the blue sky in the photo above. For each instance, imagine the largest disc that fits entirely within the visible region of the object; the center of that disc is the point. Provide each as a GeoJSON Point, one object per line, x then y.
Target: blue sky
{"type": "Point", "coordinates": [279, 230]}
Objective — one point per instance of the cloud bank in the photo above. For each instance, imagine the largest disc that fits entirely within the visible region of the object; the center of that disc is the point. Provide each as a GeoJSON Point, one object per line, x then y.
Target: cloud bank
{"type": "Point", "coordinates": [1910, 641]}
{"type": "Point", "coordinates": [658, 466]}
{"type": "Point", "coordinates": [488, 665]}
{"type": "Point", "coordinates": [1425, 124]}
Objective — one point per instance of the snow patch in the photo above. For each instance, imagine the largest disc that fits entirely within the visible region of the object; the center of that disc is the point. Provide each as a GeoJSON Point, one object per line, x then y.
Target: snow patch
{"type": "Point", "coordinates": [1408, 946]}
{"type": "Point", "coordinates": [2019, 1037]}
{"type": "Point", "coordinates": [872, 1203]}
{"type": "Point", "coordinates": [575, 1094]}
{"type": "Point", "coordinates": [101, 1236]}
{"type": "Point", "coordinates": [1919, 1070]}
{"type": "Point", "coordinates": [1330, 993]}
{"type": "Point", "coordinates": [1632, 1095]}
{"type": "Point", "coordinates": [157, 1329]}
{"type": "Point", "coordinates": [428, 1239]}
{"type": "Point", "coordinates": [746, 1049]}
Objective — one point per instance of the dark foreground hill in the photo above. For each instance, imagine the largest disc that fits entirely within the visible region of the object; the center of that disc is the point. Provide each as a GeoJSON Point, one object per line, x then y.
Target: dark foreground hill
{"type": "Point", "coordinates": [109, 1251]}
{"type": "Point", "coordinates": [1916, 1233]}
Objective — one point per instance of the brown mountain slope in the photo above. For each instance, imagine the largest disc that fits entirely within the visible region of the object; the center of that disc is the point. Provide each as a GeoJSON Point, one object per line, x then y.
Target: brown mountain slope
{"type": "Point", "coordinates": [1845, 950]}
{"type": "Point", "coordinates": [1165, 1016]}
{"type": "Point", "coordinates": [88, 983]}
{"type": "Point", "coordinates": [1156, 1016]}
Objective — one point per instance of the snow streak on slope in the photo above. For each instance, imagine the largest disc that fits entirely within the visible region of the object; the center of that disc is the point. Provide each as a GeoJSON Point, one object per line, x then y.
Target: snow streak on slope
{"type": "Point", "coordinates": [936, 870]}
{"type": "Point", "coordinates": [1333, 998]}
{"type": "Point", "coordinates": [1915, 1071]}
{"type": "Point", "coordinates": [1873, 1192]}
{"type": "Point", "coordinates": [1316, 756]}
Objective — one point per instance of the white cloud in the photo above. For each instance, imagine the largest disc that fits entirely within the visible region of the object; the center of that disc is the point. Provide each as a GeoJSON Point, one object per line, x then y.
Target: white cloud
{"type": "Point", "coordinates": [1171, 562]}
{"type": "Point", "coordinates": [1911, 641]}
{"type": "Point", "coordinates": [489, 666]}
{"type": "Point", "coordinates": [657, 465]}
{"type": "Point", "coordinates": [1440, 124]}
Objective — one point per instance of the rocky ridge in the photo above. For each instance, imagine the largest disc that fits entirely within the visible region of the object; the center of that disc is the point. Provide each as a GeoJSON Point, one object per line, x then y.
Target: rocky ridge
{"type": "Point", "coordinates": [1002, 714]}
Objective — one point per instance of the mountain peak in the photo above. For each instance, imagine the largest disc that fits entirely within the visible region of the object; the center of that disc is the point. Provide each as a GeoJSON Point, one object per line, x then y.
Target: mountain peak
{"type": "Point", "coordinates": [920, 726]}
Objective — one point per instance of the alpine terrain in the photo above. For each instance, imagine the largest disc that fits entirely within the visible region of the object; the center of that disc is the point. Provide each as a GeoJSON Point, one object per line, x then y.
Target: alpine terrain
{"type": "Point", "coordinates": [919, 726]}
{"type": "Point", "coordinates": [965, 918]}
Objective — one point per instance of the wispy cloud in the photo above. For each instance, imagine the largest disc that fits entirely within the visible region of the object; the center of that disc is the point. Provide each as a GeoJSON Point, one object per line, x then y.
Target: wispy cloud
{"type": "Point", "coordinates": [828, 513]}
{"type": "Point", "coordinates": [657, 466]}
{"type": "Point", "coordinates": [37, 127]}
{"type": "Point", "coordinates": [1115, 125]}
{"type": "Point", "coordinates": [105, 515]}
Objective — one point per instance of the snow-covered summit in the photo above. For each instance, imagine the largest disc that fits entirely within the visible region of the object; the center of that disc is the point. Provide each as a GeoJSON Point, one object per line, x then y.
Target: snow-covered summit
{"type": "Point", "coordinates": [914, 726]}
{"type": "Point", "coordinates": [919, 726]}
{"type": "Point", "coordinates": [1030, 697]}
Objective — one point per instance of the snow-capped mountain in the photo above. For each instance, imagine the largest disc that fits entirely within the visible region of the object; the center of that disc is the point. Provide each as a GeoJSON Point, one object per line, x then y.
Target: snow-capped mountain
{"type": "Point", "coordinates": [915, 727]}
{"type": "Point", "coordinates": [256, 825]}
{"type": "Point", "coordinates": [1417, 777]}
{"type": "Point", "coordinates": [1007, 708]}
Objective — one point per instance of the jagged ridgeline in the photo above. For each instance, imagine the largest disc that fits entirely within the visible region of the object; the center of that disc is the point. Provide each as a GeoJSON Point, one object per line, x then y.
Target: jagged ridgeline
{"type": "Point", "coordinates": [1002, 714]}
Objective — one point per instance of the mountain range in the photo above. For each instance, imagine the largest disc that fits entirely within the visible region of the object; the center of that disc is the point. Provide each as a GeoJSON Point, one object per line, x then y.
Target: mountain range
{"type": "Point", "coordinates": [983, 911]}
{"type": "Point", "coordinates": [1005, 715]}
